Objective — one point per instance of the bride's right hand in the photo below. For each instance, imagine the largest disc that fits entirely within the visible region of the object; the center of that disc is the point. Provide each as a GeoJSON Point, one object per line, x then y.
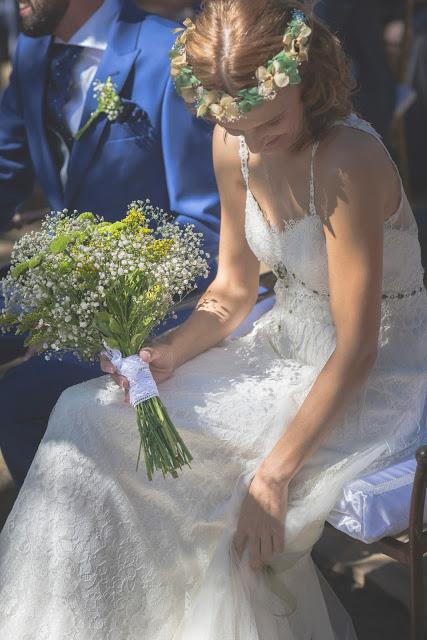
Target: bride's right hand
{"type": "Point", "coordinates": [160, 358]}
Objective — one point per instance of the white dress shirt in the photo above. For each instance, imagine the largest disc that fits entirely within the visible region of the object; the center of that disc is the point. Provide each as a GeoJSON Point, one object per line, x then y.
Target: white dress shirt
{"type": "Point", "coordinates": [93, 38]}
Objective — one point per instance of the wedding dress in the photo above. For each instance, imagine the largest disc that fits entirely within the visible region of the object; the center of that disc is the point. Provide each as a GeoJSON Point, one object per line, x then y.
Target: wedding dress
{"type": "Point", "coordinates": [94, 551]}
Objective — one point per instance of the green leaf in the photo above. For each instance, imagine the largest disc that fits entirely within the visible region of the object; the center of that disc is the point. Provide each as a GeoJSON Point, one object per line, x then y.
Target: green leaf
{"type": "Point", "coordinates": [102, 322]}
{"type": "Point", "coordinates": [115, 327]}
{"type": "Point", "coordinates": [112, 343]}
{"type": "Point", "coordinates": [137, 342]}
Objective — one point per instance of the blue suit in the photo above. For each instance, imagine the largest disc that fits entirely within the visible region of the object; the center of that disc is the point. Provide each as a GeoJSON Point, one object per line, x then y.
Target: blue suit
{"type": "Point", "coordinates": [156, 149]}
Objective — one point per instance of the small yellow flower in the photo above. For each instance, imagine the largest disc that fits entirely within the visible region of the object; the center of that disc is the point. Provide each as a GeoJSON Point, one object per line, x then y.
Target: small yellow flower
{"type": "Point", "coordinates": [281, 80]}
{"type": "Point", "coordinates": [177, 63]}
{"type": "Point", "coordinates": [232, 111]}
{"type": "Point", "coordinates": [304, 34]}
{"type": "Point", "coordinates": [225, 109]}
{"type": "Point", "coordinates": [265, 82]}
{"type": "Point", "coordinates": [287, 40]}
{"type": "Point", "coordinates": [209, 98]}
{"type": "Point", "coordinates": [262, 74]}
{"type": "Point", "coordinates": [189, 94]}
{"type": "Point", "coordinates": [202, 110]}
{"type": "Point", "coordinates": [189, 26]}
{"type": "Point", "coordinates": [297, 46]}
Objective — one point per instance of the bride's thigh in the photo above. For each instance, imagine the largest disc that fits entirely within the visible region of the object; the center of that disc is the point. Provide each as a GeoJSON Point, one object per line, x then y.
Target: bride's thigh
{"type": "Point", "coordinates": [94, 418]}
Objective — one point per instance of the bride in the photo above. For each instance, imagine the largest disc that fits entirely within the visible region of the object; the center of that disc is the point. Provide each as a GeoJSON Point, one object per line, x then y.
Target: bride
{"type": "Point", "coordinates": [332, 381]}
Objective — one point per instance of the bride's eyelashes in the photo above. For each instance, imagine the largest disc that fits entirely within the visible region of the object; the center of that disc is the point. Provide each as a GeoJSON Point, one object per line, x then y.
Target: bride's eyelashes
{"type": "Point", "coordinates": [275, 122]}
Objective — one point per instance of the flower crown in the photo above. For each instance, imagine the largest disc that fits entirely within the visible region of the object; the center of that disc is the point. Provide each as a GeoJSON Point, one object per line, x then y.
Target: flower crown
{"type": "Point", "coordinates": [280, 71]}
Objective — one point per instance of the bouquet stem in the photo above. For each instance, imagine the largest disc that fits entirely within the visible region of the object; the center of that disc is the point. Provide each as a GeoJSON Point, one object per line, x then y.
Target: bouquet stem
{"type": "Point", "coordinates": [161, 444]}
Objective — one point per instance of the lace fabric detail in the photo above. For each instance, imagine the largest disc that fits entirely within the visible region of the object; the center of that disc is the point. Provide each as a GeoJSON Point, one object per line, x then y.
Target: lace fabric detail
{"type": "Point", "coordinates": [300, 246]}
{"type": "Point", "coordinates": [244, 159]}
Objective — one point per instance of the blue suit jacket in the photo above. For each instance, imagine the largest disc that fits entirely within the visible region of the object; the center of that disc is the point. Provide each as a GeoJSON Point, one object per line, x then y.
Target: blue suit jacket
{"type": "Point", "coordinates": [155, 150]}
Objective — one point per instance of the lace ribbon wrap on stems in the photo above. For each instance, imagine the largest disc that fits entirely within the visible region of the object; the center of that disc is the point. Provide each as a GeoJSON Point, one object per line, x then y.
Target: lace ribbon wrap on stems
{"type": "Point", "coordinates": [142, 386]}
{"type": "Point", "coordinates": [160, 442]}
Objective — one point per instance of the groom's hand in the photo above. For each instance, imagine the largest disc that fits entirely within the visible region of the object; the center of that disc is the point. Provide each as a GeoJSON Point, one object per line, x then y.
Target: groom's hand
{"type": "Point", "coordinates": [158, 356]}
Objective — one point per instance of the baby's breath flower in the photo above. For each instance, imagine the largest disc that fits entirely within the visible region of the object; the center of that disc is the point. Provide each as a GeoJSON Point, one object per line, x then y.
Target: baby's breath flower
{"type": "Point", "coordinates": [56, 290]}
{"type": "Point", "coordinates": [109, 102]}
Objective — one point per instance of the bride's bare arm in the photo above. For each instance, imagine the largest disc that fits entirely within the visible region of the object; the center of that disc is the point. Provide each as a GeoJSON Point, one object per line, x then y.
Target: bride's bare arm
{"type": "Point", "coordinates": [234, 291]}
{"type": "Point", "coordinates": [355, 194]}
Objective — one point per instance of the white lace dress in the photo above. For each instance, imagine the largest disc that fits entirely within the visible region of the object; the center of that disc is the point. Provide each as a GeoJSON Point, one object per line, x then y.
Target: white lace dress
{"type": "Point", "coordinates": [94, 551]}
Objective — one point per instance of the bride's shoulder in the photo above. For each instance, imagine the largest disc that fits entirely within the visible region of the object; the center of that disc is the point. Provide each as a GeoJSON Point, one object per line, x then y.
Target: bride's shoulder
{"type": "Point", "coordinates": [226, 154]}
{"type": "Point", "coordinates": [358, 158]}
{"type": "Point", "coordinates": [351, 147]}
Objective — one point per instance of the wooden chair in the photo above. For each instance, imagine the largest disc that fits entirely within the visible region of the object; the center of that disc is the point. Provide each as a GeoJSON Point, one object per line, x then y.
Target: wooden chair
{"type": "Point", "coordinates": [409, 553]}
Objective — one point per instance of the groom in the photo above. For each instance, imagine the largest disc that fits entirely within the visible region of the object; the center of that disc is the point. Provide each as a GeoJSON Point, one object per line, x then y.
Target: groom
{"type": "Point", "coordinates": [154, 149]}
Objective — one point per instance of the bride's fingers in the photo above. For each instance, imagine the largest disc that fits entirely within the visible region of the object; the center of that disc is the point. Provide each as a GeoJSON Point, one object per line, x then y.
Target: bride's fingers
{"type": "Point", "coordinates": [266, 546]}
{"type": "Point", "coordinates": [278, 540]}
{"type": "Point", "coordinates": [146, 354]}
{"type": "Point", "coordinates": [255, 559]}
{"type": "Point", "coordinates": [121, 381]}
{"type": "Point", "coordinates": [239, 542]}
{"type": "Point", "coordinates": [106, 365]}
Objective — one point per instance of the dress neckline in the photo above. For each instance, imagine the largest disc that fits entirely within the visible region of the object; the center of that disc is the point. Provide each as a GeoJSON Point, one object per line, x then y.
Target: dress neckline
{"type": "Point", "coordinates": [352, 121]}
{"type": "Point", "coordinates": [288, 223]}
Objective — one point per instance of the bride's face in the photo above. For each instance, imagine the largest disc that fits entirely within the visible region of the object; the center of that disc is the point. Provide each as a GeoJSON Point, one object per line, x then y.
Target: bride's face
{"type": "Point", "coordinates": [274, 124]}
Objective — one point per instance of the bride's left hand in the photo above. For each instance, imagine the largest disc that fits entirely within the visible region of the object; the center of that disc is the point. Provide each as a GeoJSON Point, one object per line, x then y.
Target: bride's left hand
{"type": "Point", "coordinates": [261, 520]}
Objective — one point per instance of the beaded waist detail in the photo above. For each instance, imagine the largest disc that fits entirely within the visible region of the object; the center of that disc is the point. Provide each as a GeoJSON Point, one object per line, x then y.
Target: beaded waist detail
{"type": "Point", "coordinates": [285, 277]}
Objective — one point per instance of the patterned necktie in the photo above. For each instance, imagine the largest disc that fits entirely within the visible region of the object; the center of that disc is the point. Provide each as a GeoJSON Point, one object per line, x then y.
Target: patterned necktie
{"type": "Point", "coordinates": [62, 59]}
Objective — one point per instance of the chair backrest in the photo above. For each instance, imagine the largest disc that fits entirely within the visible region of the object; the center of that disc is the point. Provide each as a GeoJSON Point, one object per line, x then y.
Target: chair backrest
{"type": "Point", "coordinates": [417, 535]}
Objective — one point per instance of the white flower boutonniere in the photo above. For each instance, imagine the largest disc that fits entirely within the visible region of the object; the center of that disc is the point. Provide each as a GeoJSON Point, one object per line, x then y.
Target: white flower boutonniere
{"type": "Point", "coordinates": [109, 102]}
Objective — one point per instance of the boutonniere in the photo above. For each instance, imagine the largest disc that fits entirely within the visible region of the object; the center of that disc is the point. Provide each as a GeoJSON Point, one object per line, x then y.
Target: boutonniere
{"type": "Point", "coordinates": [109, 102]}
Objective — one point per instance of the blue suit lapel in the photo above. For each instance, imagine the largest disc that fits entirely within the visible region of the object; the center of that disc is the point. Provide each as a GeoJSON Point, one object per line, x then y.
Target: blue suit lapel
{"type": "Point", "coordinates": [116, 62]}
{"type": "Point", "coordinates": [36, 70]}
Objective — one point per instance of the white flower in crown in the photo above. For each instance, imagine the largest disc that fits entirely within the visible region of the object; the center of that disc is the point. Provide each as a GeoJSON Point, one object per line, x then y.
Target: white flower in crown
{"type": "Point", "coordinates": [267, 81]}
{"type": "Point", "coordinates": [178, 62]}
{"type": "Point", "coordinates": [189, 26]}
{"type": "Point", "coordinates": [220, 105]}
{"type": "Point", "coordinates": [109, 102]}
{"type": "Point", "coordinates": [296, 44]}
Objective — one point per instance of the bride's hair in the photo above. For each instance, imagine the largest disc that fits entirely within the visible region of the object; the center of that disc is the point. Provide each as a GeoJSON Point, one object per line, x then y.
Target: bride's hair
{"type": "Point", "coordinates": [234, 37]}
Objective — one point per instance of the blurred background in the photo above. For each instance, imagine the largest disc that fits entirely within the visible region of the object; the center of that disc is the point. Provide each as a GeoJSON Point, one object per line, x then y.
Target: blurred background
{"type": "Point", "coordinates": [387, 43]}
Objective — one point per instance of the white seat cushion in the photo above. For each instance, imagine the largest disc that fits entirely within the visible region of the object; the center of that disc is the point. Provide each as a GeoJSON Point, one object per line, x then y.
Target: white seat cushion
{"type": "Point", "coordinates": [377, 504]}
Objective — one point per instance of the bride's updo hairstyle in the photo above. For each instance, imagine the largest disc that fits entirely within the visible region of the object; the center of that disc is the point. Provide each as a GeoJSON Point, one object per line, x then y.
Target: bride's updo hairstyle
{"type": "Point", "coordinates": [232, 38]}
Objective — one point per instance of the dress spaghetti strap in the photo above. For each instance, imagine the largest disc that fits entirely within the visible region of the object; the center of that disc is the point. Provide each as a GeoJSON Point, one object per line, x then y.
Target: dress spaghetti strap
{"type": "Point", "coordinates": [312, 206]}
{"type": "Point", "coordinates": [244, 157]}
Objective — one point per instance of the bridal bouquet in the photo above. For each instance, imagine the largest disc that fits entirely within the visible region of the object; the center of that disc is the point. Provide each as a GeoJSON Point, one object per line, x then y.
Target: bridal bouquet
{"type": "Point", "coordinates": [84, 285]}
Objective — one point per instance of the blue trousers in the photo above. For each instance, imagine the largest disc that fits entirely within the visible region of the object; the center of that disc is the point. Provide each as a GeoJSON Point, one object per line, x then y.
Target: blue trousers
{"type": "Point", "coordinates": [28, 394]}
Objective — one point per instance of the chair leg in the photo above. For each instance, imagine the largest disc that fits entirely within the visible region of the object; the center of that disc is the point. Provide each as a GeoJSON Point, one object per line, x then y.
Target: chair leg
{"type": "Point", "coordinates": [417, 597]}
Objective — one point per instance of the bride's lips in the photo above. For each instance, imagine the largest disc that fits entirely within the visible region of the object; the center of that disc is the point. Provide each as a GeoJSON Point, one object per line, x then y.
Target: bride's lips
{"type": "Point", "coordinates": [25, 9]}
